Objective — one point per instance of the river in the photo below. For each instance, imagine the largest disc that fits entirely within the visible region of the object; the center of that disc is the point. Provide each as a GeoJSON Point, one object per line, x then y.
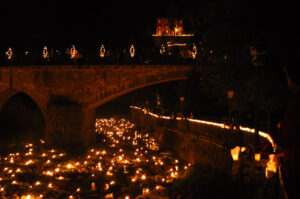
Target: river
{"type": "Point", "coordinates": [126, 163]}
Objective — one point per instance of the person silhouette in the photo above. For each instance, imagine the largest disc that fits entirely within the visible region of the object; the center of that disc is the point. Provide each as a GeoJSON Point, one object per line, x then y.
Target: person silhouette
{"type": "Point", "coordinates": [287, 136]}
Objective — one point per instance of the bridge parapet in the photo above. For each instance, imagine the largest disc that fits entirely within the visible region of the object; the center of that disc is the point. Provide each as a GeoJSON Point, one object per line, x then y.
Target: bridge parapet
{"type": "Point", "coordinates": [197, 141]}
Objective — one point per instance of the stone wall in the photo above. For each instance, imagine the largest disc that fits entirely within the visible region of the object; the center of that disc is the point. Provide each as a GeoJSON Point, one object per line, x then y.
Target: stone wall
{"type": "Point", "coordinates": [195, 142]}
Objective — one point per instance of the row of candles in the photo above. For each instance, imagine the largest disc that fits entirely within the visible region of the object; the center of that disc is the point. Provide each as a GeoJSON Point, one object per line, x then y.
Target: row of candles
{"type": "Point", "coordinates": [126, 164]}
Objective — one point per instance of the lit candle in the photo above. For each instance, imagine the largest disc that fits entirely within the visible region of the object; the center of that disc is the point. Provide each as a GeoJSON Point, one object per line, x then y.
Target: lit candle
{"type": "Point", "coordinates": [143, 177]}
{"type": "Point", "coordinates": [50, 185]}
{"type": "Point", "coordinates": [93, 186]}
{"type": "Point", "coordinates": [257, 156]}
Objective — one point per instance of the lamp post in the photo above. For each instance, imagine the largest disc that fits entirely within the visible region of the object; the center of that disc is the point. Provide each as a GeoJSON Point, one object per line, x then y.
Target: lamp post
{"type": "Point", "coordinates": [230, 95]}
{"type": "Point", "coordinates": [181, 105]}
{"type": "Point", "coordinates": [9, 55]}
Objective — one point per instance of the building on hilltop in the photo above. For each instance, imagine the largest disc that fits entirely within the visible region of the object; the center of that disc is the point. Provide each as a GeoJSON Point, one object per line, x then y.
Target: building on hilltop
{"type": "Point", "coordinates": [171, 36]}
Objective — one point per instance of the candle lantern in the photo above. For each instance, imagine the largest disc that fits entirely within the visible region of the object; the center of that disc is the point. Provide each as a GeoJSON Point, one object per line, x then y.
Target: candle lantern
{"type": "Point", "coordinates": [235, 153]}
{"type": "Point", "coordinates": [257, 156]}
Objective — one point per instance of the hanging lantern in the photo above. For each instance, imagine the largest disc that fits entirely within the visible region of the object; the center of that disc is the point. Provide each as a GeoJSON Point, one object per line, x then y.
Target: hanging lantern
{"type": "Point", "coordinates": [132, 51]}
{"type": "Point", "coordinates": [102, 51]}
{"type": "Point", "coordinates": [9, 53]}
{"type": "Point", "coordinates": [194, 52]}
{"type": "Point", "coordinates": [45, 53]}
{"type": "Point", "coordinates": [162, 49]}
{"type": "Point", "coordinates": [73, 52]}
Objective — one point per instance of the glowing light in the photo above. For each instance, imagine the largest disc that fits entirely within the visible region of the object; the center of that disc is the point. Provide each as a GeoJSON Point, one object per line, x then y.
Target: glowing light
{"type": "Point", "coordinates": [133, 179]}
{"type": "Point", "coordinates": [146, 190]}
{"type": "Point", "coordinates": [143, 177]}
{"type": "Point", "coordinates": [132, 51]}
{"type": "Point", "coordinates": [182, 35]}
{"type": "Point", "coordinates": [29, 162]}
{"type": "Point", "coordinates": [112, 182]}
{"type": "Point", "coordinates": [235, 153]}
{"type": "Point", "coordinates": [162, 49]}
{"type": "Point", "coordinates": [257, 156]}
{"type": "Point", "coordinates": [243, 149]}
{"type": "Point", "coordinates": [9, 53]}
{"type": "Point", "coordinates": [70, 166]}
{"type": "Point", "coordinates": [45, 54]}
{"type": "Point", "coordinates": [271, 165]}
{"type": "Point", "coordinates": [50, 185]}
{"type": "Point", "coordinates": [73, 52]}
{"type": "Point", "coordinates": [194, 51]}
{"type": "Point", "coordinates": [102, 51]}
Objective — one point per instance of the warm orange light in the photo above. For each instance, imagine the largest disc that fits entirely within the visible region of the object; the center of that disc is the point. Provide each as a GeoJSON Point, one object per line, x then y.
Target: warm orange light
{"type": "Point", "coordinates": [143, 177]}
{"type": "Point", "coordinates": [257, 156]}
{"type": "Point", "coordinates": [235, 153]}
{"type": "Point", "coordinates": [93, 186]}
{"type": "Point", "coordinates": [271, 165]}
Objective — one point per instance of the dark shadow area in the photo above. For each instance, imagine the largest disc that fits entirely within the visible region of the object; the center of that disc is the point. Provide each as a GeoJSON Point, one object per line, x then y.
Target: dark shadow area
{"type": "Point", "coordinates": [200, 98]}
{"type": "Point", "coordinates": [64, 124]}
{"type": "Point", "coordinates": [204, 182]}
{"type": "Point", "coordinates": [21, 121]}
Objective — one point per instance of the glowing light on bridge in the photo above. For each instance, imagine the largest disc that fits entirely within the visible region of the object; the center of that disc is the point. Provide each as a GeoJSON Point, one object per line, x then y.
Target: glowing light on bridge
{"type": "Point", "coordinates": [9, 53]}
{"type": "Point", "coordinates": [73, 52]}
{"type": "Point", "coordinates": [132, 51]}
{"type": "Point", "coordinates": [194, 51]}
{"type": "Point", "coordinates": [45, 53]}
{"type": "Point", "coordinates": [162, 49]}
{"type": "Point", "coordinates": [102, 51]}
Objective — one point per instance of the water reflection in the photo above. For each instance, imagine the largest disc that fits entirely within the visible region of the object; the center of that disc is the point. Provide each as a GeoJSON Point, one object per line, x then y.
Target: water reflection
{"type": "Point", "coordinates": [126, 164]}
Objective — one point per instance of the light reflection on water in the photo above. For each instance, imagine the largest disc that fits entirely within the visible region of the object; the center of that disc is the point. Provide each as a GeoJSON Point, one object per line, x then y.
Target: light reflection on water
{"type": "Point", "coordinates": [126, 164]}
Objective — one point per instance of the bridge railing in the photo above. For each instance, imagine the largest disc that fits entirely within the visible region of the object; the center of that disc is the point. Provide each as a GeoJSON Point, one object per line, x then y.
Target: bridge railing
{"type": "Point", "coordinates": [92, 58]}
{"type": "Point", "coordinates": [213, 125]}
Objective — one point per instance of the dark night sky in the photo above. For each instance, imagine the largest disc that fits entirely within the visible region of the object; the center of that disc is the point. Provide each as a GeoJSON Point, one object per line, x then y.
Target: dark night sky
{"type": "Point", "coordinates": [61, 23]}
{"type": "Point", "coordinates": [33, 24]}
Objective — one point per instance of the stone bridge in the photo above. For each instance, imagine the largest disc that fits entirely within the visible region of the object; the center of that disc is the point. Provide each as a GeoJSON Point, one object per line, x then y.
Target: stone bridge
{"type": "Point", "coordinates": [68, 96]}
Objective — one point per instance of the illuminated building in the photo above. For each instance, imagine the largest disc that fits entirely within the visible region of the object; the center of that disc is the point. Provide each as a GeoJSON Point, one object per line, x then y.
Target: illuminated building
{"type": "Point", "coordinates": [170, 33]}
{"type": "Point", "coordinates": [170, 27]}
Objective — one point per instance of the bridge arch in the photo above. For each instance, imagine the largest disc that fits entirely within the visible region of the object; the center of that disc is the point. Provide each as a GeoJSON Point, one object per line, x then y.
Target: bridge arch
{"type": "Point", "coordinates": [21, 118]}
{"type": "Point", "coordinates": [123, 92]}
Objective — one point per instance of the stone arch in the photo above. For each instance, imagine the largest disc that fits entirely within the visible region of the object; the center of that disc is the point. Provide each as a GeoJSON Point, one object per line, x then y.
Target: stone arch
{"type": "Point", "coordinates": [116, 95]}
{"type": "Point", "coordinates": [7, 94]}
{"type": "Point", "coordinates": [21, 118]}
